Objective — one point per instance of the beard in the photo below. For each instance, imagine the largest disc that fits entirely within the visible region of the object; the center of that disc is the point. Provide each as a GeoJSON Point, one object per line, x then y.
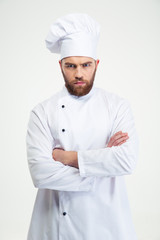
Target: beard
{"type": "Point", "coordinates": [76, 90]}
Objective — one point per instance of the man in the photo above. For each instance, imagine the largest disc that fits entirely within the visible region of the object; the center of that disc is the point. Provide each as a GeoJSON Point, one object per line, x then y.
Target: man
{"type": "Point", "coordinates": [80, 144]}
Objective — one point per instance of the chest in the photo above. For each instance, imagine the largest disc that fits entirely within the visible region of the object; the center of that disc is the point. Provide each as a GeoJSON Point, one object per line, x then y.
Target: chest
{"type": "Point", "coordinates": [80, 125]}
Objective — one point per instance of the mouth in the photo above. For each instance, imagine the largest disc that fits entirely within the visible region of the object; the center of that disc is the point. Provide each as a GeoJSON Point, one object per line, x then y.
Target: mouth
{"type": "Point", "coordinates": [79, 83]}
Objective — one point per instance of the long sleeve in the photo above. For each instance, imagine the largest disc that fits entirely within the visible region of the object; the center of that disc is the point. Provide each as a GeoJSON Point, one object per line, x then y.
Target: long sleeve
{"type": "Point", "coordinates": [47, 173]}
{"type": "Point", "coordinates": [117, 160]}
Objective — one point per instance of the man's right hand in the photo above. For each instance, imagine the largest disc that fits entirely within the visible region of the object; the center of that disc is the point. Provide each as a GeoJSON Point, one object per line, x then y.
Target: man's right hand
{"type": "Point", "coordinates": [118, 139]}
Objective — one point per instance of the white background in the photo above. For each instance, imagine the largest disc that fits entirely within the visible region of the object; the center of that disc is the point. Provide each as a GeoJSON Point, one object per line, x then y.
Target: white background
{"type": "Point", "coordinates": [129, 66]}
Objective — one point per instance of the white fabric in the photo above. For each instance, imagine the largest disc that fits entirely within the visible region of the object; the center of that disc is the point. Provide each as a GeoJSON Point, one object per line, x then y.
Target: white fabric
{"type": "Point", "coordinates": [94, 196]}
{"type": "Point", "coordinates": [74, 35]}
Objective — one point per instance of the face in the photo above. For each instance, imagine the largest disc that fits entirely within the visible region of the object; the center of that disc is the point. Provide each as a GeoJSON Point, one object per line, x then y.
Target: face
{"type": "Point", "coordinates": [79, 74]}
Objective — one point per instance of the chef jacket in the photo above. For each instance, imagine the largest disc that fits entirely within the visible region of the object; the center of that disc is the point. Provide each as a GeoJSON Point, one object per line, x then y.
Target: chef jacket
{"type": "Point", "coordinates": [91, 202]}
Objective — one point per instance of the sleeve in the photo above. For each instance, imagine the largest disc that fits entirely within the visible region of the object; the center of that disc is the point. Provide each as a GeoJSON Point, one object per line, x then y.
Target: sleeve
{"type": "Point", "coordinates": [117, 160]}
{"type": "Point", "coordinates": [47, 173]}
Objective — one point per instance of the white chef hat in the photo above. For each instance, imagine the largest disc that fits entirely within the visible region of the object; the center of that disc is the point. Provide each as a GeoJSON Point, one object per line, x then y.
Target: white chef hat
{"type": "Point", "coordinates": [75, 34]}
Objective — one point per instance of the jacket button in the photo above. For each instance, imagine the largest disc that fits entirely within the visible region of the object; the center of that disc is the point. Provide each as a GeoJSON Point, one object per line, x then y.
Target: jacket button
{"type": "Point", "coordinates": [63, 106]}
{"type": "Point", "coordinates": [63, 130]}
{"type": "Point", "coordinates": [64, 213]}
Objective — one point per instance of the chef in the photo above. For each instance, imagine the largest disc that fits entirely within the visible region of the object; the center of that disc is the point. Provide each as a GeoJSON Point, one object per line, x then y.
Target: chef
{"type": "Point", "coordinates": [81, 142]}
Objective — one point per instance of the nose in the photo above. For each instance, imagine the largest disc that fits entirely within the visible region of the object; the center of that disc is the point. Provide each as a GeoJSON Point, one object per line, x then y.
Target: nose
{"type": "Point", "coordinates": [78, 73]}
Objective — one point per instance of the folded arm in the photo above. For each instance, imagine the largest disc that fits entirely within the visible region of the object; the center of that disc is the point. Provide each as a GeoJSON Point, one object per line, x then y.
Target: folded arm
{"type": "Point", "coordinates": [45, 171]}
{"type": "Point", "coordinates": [70, 158]}
{"type": "Point", "coordinates": [118, 158]}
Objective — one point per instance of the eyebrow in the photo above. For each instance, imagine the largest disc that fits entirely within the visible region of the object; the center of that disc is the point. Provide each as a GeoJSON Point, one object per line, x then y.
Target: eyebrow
{"type": "Point", "coordinates": [68, 63]}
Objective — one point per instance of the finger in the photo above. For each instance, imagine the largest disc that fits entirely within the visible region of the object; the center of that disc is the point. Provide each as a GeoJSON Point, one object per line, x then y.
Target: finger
{"type": "Point", "coordinates": [124, 138]}
{"type": "Point", "coordinates": [112, 139]}
{"type": "Point", "coordinates": [117, 141]}
{"type": "Point", "coordinates": [117, 136]}
{"type": "Point", "coordinates": [117, 133]}
{"type": "Point", "coordinates": [121, 143]}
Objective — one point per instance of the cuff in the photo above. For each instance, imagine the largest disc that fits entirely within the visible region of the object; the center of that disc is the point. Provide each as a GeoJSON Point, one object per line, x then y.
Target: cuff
{"type": "Point", "coordinates": [81, 164]}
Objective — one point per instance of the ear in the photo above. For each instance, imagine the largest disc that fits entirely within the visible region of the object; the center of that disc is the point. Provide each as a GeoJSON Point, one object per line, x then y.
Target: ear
{"type": "Point", "coordinates": [60, 63]}
{"type": "Point", "coordinates": [97, 62]}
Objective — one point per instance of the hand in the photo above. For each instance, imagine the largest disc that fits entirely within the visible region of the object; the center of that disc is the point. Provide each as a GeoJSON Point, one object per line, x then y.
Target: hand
{"type": "Point", "coordinates": [58, 154]}
{"type": "Point", "coordinates": [118, 139]}
{"type": "Point", "coordinates": [66, 157]}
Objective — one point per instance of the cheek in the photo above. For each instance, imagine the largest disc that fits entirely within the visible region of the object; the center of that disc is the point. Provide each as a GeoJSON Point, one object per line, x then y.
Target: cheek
{"type": "Point", "coordinates": [68, 74]}
{"type": "Point", "coordinates": [89, 73]}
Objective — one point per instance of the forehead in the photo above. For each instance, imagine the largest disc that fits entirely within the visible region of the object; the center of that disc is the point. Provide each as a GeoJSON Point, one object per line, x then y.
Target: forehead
{"type": "Point", "coordinates": [78, 59]}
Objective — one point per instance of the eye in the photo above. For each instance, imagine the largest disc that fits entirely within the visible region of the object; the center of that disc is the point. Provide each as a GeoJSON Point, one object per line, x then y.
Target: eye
{"type": "Point", "coordinates": [70, 66]}
{"type": "Point", "coordinates": [86, 64]}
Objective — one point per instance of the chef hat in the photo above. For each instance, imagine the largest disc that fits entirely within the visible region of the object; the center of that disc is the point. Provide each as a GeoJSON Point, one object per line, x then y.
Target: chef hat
{"type": "Point", "coordinates": [75, 34]}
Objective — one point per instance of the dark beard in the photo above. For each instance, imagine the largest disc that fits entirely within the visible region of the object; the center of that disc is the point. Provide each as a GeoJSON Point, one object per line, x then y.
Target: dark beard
{"type": "Point", "coordinates": [79, 90]}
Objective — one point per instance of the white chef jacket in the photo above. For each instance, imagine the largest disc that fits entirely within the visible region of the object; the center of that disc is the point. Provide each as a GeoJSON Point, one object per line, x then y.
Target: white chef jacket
{"type": "Point", "coordinates": [91, 202]}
